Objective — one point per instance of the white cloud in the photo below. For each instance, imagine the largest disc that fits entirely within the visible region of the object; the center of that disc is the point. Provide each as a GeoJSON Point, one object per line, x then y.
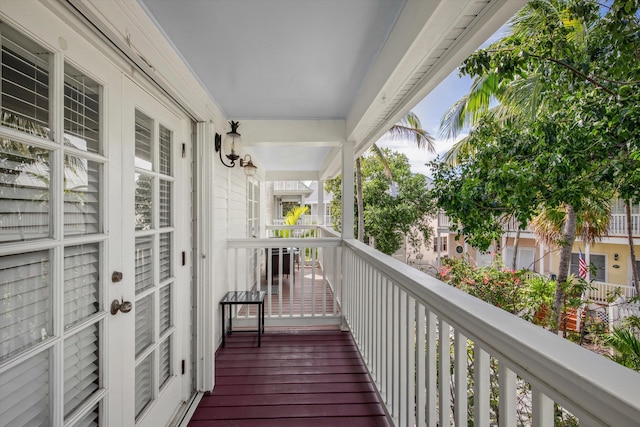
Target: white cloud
{"type": "Point", "coordinates": [418, 157]}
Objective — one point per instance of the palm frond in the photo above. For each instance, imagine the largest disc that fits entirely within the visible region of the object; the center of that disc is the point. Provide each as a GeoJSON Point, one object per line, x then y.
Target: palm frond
{"type": "Point", "coordinates": [383, 159]}
{"type": "Point", "coordinates": [409, 127]}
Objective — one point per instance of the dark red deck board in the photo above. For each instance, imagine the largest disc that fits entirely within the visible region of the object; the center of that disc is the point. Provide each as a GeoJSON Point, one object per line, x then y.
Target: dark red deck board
{"type": "Point", "coordinates": [297, 422]}
{"type": "Point", "coordinates": [294, 379]}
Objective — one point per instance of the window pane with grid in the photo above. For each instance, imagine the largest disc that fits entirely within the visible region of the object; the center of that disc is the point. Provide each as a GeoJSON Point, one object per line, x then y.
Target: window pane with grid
{"type": "Point", "coordinates": [165, 309]}
{"type": "Point", "coordinates": [24, 391]}
{"type": "Point", "coordinates": [81, 367]}
{"type": "Point", "coordinates": [81, 110]}
{"type": "Point", "coordinates": [92, 419]}
{"type": "Point", "coordinates": [81, 196]}
{"type": "Point", "coordinates": [144, 324]}
{"type": "Point", "coordinates": [164, 360]}
{"type": "Point", "coordinates": [81, 282]}
{"type": "Point", "coordinates": [24, 95]}
{"type": "Point", "coordinates": [165, 203]}
{"type": "Point", "coordinates": [144, 263]}
{"type": "Point", "coordinates": [144, 153]}
{"type": "Point", "coordinates": [166, 138]}
{"type": "Point", "coordinates": [25, 312]}
{"type": "Point", "coordinates": [144, 384]}
{"type": "Point", "coordinates": [165, 256]}
{"type": "Point", "coordinates": [24, 191]}
{"type": "Point", "coordinates": [144, 200]}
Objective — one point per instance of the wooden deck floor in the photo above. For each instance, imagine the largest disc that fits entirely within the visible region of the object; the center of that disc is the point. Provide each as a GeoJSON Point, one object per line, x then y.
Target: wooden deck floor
{"type": "Point", "coordinates": [303, 378]}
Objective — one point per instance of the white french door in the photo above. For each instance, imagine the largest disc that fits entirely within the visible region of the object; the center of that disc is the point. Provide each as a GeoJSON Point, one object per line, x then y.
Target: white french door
{"type": "Point", "coordinates": [155, 240]}
{"type": "Point", "coordinates": [95, 200]}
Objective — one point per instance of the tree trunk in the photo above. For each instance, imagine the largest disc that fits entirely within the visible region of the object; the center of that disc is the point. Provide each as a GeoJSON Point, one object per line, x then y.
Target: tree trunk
{"type": "Point", "coordinates": [632, 252]}
{"type": "Point", "coordinates": [516, 243]}
{"type": "Point", "coordinates": [569, 234]}
{"type": "Point", "coordinates": [360, 200]}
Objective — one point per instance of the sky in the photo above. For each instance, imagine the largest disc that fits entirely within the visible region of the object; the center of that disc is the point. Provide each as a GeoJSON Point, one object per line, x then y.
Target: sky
{"type": "Point", "coordinates": [430, 111]}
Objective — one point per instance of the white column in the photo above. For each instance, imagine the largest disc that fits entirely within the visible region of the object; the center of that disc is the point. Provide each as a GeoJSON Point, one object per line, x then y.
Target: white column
{"type": "Point", "coordinates": [320, 191]}
{"type": "Point", "coordinates": [347, 190]}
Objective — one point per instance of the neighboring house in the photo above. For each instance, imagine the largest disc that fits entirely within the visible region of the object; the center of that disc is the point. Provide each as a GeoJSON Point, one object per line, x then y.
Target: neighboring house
{"type": "Point", "coordinates": [110, 290]}
{"type": "Point", "coordinates": [610, 255]}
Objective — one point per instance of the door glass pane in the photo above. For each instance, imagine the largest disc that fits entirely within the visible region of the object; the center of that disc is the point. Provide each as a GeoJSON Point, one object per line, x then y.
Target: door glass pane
{"type": "Point", "coordinates": [144, 200]}
{"type": "Point", "coordinates": [81, 196]}
{"type": "Point", "coordinates": [25, 301]}
{"type": "Point", "coordinates": [81, 110]}
{"type": "Point", "coordinates": [144, 263]}
{"type": "Point", "coordinates": [144, 323]}
{"type": "Point", "coordinates": [92, 419]}
{"type": "Point", "coordinates": [81, 282]}
{"type": "Point", "coordinates": [165, 360]}
{"type": "Point", "coordinates": [144, 153]}
{"type": "Point", "coordinates": [81, 367]}
{"type": "Point", "coordinates": [25, 211]}
{"type": "Point", "coordinates": [25, 393]}
{"type": "Point", "coordinates": [165, 256]}
{"type": "Point", "coordinates": [166, 137]}
{"type": "Point", "coordinates": [144, 384]}
{"type": "Point", "coordinates": [165, 309]}
{"type": "Point", "coordinates": [165, 203]}
{"type": "Point", "coordinates": [24, 89]}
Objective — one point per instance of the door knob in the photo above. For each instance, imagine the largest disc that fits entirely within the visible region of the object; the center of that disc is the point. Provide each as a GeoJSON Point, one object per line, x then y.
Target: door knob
{"type": "Point", "coordinates": [122, 306]}
{"type": "Point", "coordinates": [116, 276]}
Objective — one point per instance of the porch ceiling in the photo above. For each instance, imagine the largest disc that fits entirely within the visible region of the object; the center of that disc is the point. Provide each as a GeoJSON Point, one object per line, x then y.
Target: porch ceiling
{"type": "Point", "coordinates": [359, 63]}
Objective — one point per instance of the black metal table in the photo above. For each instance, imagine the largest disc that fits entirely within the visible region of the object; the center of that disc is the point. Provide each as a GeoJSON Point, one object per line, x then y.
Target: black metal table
{"type": "Point", "coordinates": [240, 298]}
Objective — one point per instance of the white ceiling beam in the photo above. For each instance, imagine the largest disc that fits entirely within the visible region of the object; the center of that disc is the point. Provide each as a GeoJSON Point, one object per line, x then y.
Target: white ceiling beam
{"type": "Point", "coordinates": [312, 133]}
{"type": "Point", "coordinates": [292, 176]}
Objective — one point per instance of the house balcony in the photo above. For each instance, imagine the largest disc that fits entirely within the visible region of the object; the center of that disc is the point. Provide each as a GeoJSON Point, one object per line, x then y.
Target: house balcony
{"type": "Point", "coordinates": [499, 369]}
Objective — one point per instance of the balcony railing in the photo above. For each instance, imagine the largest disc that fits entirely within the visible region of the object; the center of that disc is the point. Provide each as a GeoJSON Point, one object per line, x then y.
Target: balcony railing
{"type": "Point", "coordinates": [306, 220]}
{"type": "Point", "coordinates": [401, 320]}
{"type": "Point", "coordinates": [618, 225]}
{"type": "Point", "coordinates": [496, 369]}
{"type": "Point", "coordinates": [300, 275]}
{"type": "Point", "coordinates": [290, 186]}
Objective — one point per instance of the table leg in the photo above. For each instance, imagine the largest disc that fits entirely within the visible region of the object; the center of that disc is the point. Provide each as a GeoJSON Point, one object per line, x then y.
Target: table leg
{"type": "Point", "coordinates": [259, 324]}
{"type": "Point", "coordinates": [224, 331]}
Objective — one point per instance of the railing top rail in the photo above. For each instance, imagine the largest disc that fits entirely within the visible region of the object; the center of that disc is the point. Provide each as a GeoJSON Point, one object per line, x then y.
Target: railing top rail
{"type": "Point", "coordinates": [290, 227]}
{"type": "Point", "coordinates": [325, 242]}
{"type": "Point", "coordinates": [558, 367]}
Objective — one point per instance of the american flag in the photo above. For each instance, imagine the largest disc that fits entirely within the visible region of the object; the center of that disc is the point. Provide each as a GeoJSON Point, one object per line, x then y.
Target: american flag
{"type": "Point", "coordinates": [582, 267]}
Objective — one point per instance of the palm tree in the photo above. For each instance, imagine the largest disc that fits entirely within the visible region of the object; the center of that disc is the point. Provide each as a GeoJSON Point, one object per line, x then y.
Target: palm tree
{"type": "Point", "coordinates": [516, 99]}
{"type": "Point", "coordinates": [408, 128]}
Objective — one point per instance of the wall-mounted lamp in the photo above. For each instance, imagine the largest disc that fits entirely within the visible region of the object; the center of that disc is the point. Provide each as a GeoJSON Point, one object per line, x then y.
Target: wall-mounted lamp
{"type": "Point", "coordinates": [616, 257]}
{"type": "Point", "coordinates": [232, 139]}
{"type": "Point", "coordinates": [249, 168]}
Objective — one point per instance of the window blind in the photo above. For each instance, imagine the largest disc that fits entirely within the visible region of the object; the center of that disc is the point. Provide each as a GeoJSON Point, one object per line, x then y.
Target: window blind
{"type": "Point", "coordinates": [24, 393]}
{"type": "Point", "coordinates": [81, 110]}
{"type": "Point", "coordinates": [25, 312]}
{"type": "Point", "coordinates": [165, 309]}
{"type": "Point", "coordinates": [24, 191]}
{"type": "Point", "coordinates": [81, 275]}
{"type": "Point", "coordinates": [81, 367]}
{"type": "Point", "coordinates": [166, 136]}
{"type": "Point", "coordinates": [165, 256]}
{"type": "Point", "coordinates": [144, 153]}
{"type": "Point", "coordinates": [144, 323]}
{"type": "Point", "coordinates": [81, 196]}
{"type": "Point", "coordinates": [144, 384]}
{"type": "Point", "coordinates": [24, 87]}
{"type": "Point", "coordinates": [164, 358]}
{"type": "Point", "coordinates": [165, 203]}
{"type": "Point", "coordinates": [144, 263]}
{"type": "Point", "coordinates": [143, 201]}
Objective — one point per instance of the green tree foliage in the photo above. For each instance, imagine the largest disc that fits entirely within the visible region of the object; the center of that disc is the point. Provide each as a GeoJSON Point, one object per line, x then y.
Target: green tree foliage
{"type": "Point", "coordinates": [567, 79]}
{"type": "Point", "coordinates": [388, 218]}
